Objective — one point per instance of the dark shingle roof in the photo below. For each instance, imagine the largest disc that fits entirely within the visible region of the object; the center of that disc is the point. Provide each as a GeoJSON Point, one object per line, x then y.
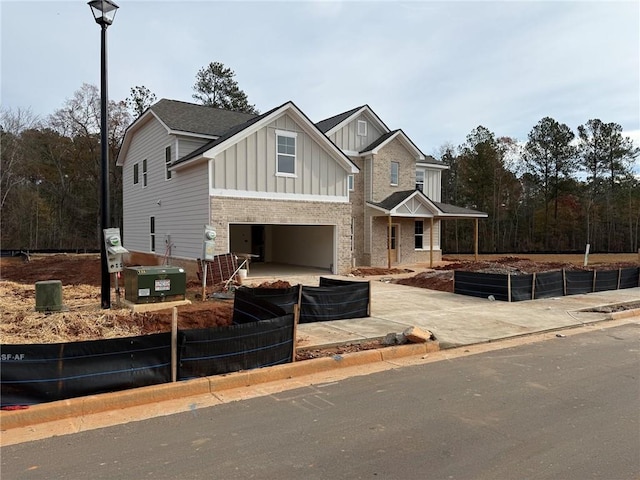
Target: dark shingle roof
{"type": "Point", "coordinates": [189, 117]}
{"type": "Point", "coordinates": [430, 159]}
{"type": "Point", "coordinates": [396, 198]}
{"type": "Point", "coordinates": [328, 123]}
{"type": "Point", "coordinates": [455, 210]}
{"type": "Point", "coordinates": [380, 140]}
{"type": "Point", "coordinates": [224, 136]}
{"type": "Point", "coordinates": [393, 200]}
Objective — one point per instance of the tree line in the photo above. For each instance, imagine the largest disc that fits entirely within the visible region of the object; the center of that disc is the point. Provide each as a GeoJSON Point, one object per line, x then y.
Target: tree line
{"type": "Point", "coordinates": [557, 192]}
{"type": "Point", "coordinates": [50, 167]}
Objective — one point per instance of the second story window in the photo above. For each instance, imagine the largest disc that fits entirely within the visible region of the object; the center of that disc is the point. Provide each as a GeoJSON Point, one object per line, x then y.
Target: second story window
{"type": "Point", "coordinates": [144, 172]}
{"type": "Point", "coordinates": [395, 168]}
{"type": "Point", "coordinates": [167, 163]}
{"type": "Point", "coordinates": [362, 128]}
{"type": "Point", "coordinates": [420, 180]}
{"type": "Point", "coordinates": [136, 178]}
{"type": "Point", "coordinates": [285, 153]}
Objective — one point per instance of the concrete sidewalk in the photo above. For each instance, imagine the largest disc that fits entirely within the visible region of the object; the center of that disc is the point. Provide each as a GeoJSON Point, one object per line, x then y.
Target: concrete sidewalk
{"type": "Point", "coordinates": [457, 320]}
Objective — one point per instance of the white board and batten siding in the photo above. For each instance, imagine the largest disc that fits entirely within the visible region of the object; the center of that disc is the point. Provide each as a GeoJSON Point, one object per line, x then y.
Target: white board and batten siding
{"type": "Point", "coordinates": [347, 138]}
{"type": "Point", "coordinates": [432, 184]}
{"type": "Point", "coordinates": [248, 168]}
{"type": "Point", "coordinates": [180, 205]}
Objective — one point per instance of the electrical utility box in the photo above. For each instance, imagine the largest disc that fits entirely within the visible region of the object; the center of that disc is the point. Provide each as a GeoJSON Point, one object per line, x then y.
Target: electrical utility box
{"type": "Point", "coordinates": [154, 284]}
{"type": "Point", "coordinates": [114, 249]}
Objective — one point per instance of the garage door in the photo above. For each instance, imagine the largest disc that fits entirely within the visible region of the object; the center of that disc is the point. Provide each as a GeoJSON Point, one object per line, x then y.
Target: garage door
{"type": "Point", "coordinates": [303, 245]}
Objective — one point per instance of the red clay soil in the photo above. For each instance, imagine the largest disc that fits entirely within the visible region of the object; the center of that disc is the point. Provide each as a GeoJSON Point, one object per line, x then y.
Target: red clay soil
{"type": "Point", "coordinates": [85, 270]}
{"type": "Point", "coordinates": [441, 277]}
{"type": "Point", "coordinates": [69, 269]}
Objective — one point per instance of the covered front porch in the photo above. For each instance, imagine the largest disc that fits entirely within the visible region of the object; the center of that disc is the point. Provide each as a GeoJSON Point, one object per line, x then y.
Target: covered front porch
{"type": "Point", "coordinates": [407, 224]}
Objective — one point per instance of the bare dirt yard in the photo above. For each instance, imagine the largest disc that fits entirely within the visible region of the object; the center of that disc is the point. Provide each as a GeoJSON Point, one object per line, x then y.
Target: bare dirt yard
{"type": "Point", "coordinates": [85, 320]}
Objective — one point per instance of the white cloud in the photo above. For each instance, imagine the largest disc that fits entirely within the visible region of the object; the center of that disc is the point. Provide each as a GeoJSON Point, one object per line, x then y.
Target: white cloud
{"type": "Point", "coordinates": [435, 69]}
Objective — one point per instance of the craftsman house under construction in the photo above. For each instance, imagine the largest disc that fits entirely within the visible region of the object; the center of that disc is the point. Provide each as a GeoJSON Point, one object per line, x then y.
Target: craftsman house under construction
{"type": "Point", "coordinates": [344, 192]}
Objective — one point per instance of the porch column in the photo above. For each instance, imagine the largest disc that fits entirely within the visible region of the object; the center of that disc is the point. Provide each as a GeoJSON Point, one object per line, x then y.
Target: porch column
{"type": "Point", "coordinates": [431, 244]}
{"type": "Point", "coordinates": [389, 243]}
{"type": "Point", "coordinates": [475, 239]}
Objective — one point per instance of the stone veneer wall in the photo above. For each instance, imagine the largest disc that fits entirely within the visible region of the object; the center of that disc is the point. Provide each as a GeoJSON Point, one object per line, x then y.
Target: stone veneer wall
{"type": "Point", "coordinates": [356, 198]}
{"type": "Point", "coordinates": [226, 210]}
{"type": "Point", "coordinates": [394, 152]}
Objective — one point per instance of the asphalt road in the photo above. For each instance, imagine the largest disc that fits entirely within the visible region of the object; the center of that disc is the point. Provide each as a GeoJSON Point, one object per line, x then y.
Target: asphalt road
{"type": "Point", "coordinates": [565, 408]}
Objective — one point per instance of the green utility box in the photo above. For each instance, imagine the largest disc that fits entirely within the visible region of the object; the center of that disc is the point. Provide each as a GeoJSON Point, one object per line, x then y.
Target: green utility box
{"type": "Point", "coordinates": [154, 284]}
{"type": "Point", "coordinates": [49, 296]}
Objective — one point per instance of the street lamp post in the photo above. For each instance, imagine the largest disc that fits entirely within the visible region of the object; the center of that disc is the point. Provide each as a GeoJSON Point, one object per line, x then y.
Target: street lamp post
{"type": "Point", "coordinates": [104, 11]}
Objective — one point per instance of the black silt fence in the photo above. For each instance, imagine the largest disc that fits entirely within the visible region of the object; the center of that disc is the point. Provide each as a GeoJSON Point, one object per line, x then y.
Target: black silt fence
{"type": "Point", "coordinates": [41, 373]}
{"type": "Point", "coordinates": [338, 300]}
{"type": "Point", "coordinates": [244, 309]}
{"type": "Point", "coordinates": [205, 352]}
{"type": "Point", "coordinates": [629, 277]}
{"type": "Point", "coordinates": [545, 284]}
{"type": "Point", "coordinates": [605, 280]}
{"type": "Point", "coordinates": [578, 281]}
{"type": "Point", "coordinates": [482, 285]}
{"type": "Point", "coordinates": [549, 285]}
{"type": "Point", "coordinates": [521, 287]}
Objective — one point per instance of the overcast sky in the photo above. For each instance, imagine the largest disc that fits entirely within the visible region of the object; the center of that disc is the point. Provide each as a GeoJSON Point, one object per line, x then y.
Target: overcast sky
{"type": "Point", "coordinates": [435, 69]}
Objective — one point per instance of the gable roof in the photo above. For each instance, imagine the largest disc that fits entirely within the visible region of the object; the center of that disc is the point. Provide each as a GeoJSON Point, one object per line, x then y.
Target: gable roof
{"type": "Point", "coordinates": [188, 117]}
{"type": "Point", "coordinates": [238, 132]}
{"type": "Point", "coordinates": [228, 134]}
{"type": "Point", "coordinates": [330, 125]}
{"type": "Point", "coordinates": [414, 203]}
{"type": "Point", "coordinates": [388, 137]}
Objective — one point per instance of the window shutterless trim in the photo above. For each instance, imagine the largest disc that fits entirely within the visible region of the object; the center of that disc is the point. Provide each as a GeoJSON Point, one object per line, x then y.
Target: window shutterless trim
{"type": "Point", "coordinates": [285, 153]}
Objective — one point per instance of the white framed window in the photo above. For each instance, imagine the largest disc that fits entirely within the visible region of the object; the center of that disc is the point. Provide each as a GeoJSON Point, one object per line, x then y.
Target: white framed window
{"type": "Point", "coordinates": [167, 163]}
{"type": "Point", "coordinates": [152, 234]}
{"type": "Point", "coordinates": [286, 153]}
{"type": "Point", "coordinates": [395, 169]}
{"type": "Point", "coordinates": [419, 235]}
{"type": "Point", "coordinates": [420, 180]}
{"type": "Point", "coordinates": [350, 180]}
{"type": "Point", "coordinates": [144, 173]}
{"type": "Point", "coordinates": [136, 177]}
{"type": "Point", "coordinates": [362, 128]}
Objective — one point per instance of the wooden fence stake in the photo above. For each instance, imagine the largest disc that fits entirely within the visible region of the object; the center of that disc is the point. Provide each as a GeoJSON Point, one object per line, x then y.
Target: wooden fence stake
{"type": "Point", "coordinates": [296, 318]}
{"type": "Point", "coordinates": [174, 345]}
{"type": "Point", "coordinates": [533, 287]}
{"type": "Point", "coordinates": [204, 280]}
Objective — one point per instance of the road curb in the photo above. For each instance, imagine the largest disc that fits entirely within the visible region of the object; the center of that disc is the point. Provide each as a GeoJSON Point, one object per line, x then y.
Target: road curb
{"type": "Point", "coordinates": [93, 404]}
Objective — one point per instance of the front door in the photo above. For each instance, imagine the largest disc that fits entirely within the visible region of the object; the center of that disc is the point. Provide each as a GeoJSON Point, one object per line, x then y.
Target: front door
{"type": "Point", "coordinates": [392, 243]}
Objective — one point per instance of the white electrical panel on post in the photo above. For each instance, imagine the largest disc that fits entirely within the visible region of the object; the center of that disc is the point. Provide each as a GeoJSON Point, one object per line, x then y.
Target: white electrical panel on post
{"type": "Point", "coordinates": [208, 251]}
{"type": "Point", "coordinates": [114, 249]}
